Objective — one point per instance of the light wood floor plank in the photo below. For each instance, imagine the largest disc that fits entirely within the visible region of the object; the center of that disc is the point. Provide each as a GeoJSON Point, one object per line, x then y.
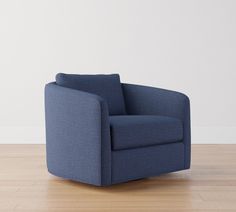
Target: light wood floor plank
{"type": "Point", "coordinates": [210, 185]}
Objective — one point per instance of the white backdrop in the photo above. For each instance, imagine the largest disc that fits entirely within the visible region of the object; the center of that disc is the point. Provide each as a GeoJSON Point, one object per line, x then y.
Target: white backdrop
{"type": "Point", "coordinates": [183, 45]}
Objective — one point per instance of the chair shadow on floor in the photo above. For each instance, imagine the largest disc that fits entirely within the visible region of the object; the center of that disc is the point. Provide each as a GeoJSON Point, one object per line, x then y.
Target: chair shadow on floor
{"type": "Point", "coordinates": [161, 183]}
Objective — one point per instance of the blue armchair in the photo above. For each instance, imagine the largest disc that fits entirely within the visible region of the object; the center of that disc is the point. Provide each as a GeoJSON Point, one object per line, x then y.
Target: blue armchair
{"type": "Point", "coordinates": [102, 132]}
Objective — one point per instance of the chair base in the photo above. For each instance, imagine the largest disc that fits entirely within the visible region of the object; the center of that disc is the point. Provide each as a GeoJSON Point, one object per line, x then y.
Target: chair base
{"type": "Point", "coordinates": [147, 162]}
{"type": "Point", "coordinates": [140, 163]}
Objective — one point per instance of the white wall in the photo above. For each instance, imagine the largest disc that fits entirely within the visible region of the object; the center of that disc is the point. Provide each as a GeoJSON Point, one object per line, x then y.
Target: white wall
{"type": "Point", "coordinates": [184, 45]}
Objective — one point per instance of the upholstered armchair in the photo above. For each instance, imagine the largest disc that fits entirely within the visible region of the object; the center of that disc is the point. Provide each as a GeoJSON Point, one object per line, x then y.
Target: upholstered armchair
{"type": "Point", "coordinates": [102, 132]}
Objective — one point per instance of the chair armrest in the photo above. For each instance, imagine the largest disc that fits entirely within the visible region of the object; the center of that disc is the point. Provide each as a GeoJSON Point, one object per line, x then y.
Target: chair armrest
{"type": "Point", "coordinates": [143, 100]}
{"type": "Point", "coordinates": [77, 135]}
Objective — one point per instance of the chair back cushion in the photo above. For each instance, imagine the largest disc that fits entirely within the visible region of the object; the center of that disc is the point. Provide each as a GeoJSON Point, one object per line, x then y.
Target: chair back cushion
{"type": "Point", "coordinates": [106, 86]}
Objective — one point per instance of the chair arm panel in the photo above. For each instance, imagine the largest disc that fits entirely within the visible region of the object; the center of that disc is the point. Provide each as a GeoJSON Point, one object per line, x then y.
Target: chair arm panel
{"type": "Point", "coordinates": [77, 135]}
{"type": "Point", "coordinates": [144, 100]}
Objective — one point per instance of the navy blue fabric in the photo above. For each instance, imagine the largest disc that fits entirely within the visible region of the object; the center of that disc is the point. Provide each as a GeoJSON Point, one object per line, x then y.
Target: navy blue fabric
{"type": "Point", "coordinates": [146, 162]}
{"type": "Point", "coordinates": [144, 100]}
{"type": "Point", "coordinates": [132, 131]}
{"type": "Point", "coordinates": [80, 134]}
{"type": "Point", "coordinates": [77, 135]}
{"type": "Point", "coordinates": [106, 86]}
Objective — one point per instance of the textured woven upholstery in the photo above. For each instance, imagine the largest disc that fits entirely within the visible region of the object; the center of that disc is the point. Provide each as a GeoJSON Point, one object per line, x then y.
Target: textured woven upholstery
{"type": "Point", "coordinates": [134, 131]}
{"type": "Point", "coordinates": [92, 138]}
{"type": "Point", "coordinates": [106, 86]}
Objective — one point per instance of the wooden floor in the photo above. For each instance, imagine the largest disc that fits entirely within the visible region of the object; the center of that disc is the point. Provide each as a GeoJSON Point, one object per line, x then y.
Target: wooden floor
{"type": "Point", "coordinates": [210, 185]}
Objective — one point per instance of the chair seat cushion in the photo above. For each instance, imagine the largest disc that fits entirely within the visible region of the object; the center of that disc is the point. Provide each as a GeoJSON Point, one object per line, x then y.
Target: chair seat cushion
{"type": "Point", "coordinates": [133, 131]}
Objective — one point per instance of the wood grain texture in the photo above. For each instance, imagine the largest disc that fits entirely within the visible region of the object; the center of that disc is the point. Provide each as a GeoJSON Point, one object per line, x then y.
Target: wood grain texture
{"type": "Point", "coordinates": [210, 185]}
